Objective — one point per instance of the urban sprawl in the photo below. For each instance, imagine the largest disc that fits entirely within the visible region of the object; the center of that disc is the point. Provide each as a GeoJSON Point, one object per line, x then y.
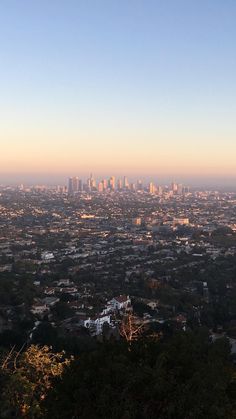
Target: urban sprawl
{"type": "Point", "coordinates": [75, 260]}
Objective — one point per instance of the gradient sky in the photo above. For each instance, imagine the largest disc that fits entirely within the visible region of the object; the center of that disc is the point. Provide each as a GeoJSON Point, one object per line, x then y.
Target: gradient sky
{"type": "Point", "coordinates": [130, 87]}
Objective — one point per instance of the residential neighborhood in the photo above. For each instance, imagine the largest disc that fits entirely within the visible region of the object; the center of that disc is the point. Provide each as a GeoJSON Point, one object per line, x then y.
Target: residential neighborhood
{"type": "Point", "coordinates": [80, 263]}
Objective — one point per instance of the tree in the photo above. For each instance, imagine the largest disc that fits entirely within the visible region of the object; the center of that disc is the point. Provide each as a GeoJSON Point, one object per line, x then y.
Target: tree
{"type": "Point", "coordinates": [130, 328]}
{"type": "Point", "coordinates": [45, 334]}
{"type": "Point", "coordinates": [182, 378]}
{"type": "Point", "coordinates": [28, 378]}
{"type": "Point", "coordinates": [62, 311]}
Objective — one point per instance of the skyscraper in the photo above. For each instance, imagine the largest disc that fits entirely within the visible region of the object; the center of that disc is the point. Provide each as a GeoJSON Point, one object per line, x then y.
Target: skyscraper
{"type": "Point", "coordinates": [100, 186]}
{"type": "Point", "coordinates": [174, 187]}
{"type": "Point", "coordinates": [80, 185]}
{"type": "Point", "coordinates": [104, 182]}
{"type": "Point", "coordinates": [180, 189]}
{"type": "Point", "coordinates": [132, 187]}
{"type": "Point", "coordinates": [126, 183]}
{"type": "Point", "coordinates": [70, 186]}
{"type": "Point", "coordinates": [73, 185]}
{"type": "Point", "coordinates": [119, 184]}
{"type": "Point", "coordinates": [159, 190]}
{"type": "Point", "coordinates": [112, 183]}
{"type": "Point", "coordinates": [91, 183]}
{"type": "Point", "coordinates": [151, 188]}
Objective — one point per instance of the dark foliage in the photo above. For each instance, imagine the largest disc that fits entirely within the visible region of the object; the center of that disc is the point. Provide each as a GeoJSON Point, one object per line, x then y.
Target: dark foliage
{"type": "Point", "coordinates": [185, 377]}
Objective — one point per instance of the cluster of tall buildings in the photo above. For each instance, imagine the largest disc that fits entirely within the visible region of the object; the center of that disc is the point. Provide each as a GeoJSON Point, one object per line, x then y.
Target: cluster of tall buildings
{"type": "Point", "coordinates": [121, 184]}
{"type": "Point", "coordinates": [76, 185]}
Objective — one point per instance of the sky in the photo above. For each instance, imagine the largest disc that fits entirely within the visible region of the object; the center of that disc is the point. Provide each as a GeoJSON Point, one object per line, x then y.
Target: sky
{"type": "Point", "coordinates": [143, 88]}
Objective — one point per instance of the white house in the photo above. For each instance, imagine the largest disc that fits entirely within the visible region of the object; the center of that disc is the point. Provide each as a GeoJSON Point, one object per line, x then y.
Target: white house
{"type": "Point", "coordinates": [47, 256]}
{"type": "Point", "coordinates": [96, 323]}
{"type": "Point", "coordinates": [122, 302]}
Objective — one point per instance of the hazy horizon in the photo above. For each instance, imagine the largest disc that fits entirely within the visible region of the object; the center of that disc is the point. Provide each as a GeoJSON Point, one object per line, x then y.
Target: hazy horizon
{"type": "Point", "coordinates": [62, 179]}
{"type": "Point", "coordinates": [146, 88]}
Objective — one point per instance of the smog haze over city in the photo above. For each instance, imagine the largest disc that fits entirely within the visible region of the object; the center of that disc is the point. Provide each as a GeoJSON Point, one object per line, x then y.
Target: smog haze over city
{"type": "Point", "coordinates": [136, 88]}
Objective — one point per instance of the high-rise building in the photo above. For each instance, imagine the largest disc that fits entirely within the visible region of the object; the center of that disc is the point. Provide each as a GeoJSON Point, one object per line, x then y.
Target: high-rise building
{"type": "Point", "coordinates": [73, 185]}
{"type": "Point", "coordinates": [126, 183]}
{"type": "Point", "coordinates": [159, 190]}
{"type": "Point", "coordinates": [112, 183]}
{"type": "Point", "coordinates": [180, 189]}
{"type": "Point", "coordinates": [119, 184]}
{"type": "Point", "coordinates": [91, 183]}
{"type": "Point", "coordinates": [100, 186]}
{"type": "Point", "coordinates": [174, 187]}
{"type": "Point", "coordinates": [104, 182]}
{"type": "Point", "coordinates": [132, 187]}
{"type": "Point", "coordinates": [80, 185]}
{"type": "Point", "coordinates": [70, 187]}
{"type": "Point", "coordinates": [151, 188]}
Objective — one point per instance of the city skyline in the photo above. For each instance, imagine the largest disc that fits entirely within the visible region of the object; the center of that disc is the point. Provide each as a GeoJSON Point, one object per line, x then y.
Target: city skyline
{"type": "Point", "coordinates": [119, 180]}
{"type": "Point", "coordinates": [142, 88]}
{"type": "Point", "coordinates": [91, 184]}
